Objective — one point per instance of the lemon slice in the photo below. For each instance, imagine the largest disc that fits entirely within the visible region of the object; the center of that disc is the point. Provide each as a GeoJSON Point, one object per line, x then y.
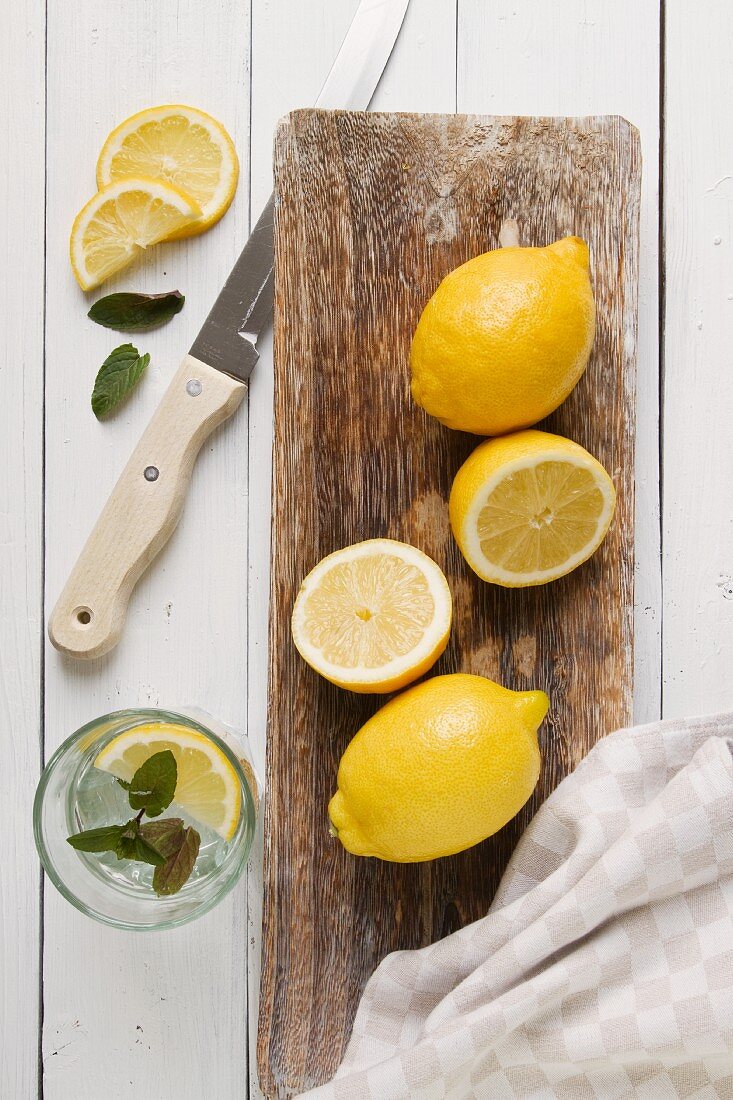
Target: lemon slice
{"type": "Point", "coordinates": [530, 507]}
{"type": "Point", "coordinates": [178, 145]}
{"type": "Point", "coordinates": [207, 787]}
{"type": "Point", "coordinates": [120, 221]}
{"type": "Point", "coordinates": [373, 616]}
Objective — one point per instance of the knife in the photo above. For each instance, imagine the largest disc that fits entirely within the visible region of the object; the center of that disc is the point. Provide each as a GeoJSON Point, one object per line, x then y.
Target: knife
{"type": "Point", "coordinates": [146, 503]}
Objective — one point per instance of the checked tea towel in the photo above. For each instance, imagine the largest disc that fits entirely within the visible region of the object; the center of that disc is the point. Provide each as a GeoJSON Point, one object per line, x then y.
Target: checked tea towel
{"type": "Point", "coordinates": [604, 968]}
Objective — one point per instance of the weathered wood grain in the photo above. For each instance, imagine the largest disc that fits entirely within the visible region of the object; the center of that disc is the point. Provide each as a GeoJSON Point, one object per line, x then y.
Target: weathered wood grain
{"type": "Point", "coordinates": [576, 57]}
{"type": "Point", "coordinates": [373, 211]}
{"type": "Point", "coordinates": [293, 47]}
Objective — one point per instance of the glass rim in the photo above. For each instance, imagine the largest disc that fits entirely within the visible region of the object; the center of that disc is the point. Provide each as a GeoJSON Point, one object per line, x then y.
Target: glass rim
{"type": "Point", "coordinates": [249, 812]}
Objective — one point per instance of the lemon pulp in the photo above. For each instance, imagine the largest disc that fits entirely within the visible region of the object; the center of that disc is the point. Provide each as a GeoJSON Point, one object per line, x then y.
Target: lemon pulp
{"type": "Point", "coordinates": [122, 220]}
{"type": "Point", "coordinates": [179, 145]}
{"type": "Point", "coordinates": [537, 517]}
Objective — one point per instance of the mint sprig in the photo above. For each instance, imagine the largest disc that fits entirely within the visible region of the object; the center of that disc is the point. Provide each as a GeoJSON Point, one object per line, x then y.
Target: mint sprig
{"type": "Point", "coordinates": [165, 843]}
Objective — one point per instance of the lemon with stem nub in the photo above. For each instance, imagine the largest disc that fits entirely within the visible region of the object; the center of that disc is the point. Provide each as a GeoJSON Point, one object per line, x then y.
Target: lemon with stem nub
{"type": "Point", "coordinates": [505, 337]}
{"type": "Point", "coordinates": [438, 769]}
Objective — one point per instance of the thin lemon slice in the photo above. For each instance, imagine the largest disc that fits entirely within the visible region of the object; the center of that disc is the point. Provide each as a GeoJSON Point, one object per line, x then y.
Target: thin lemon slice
{"type": "Point", "coordinates": [373, 616]}
{"type": "Point", "coordinates": [121, 221]}
{"type": "Point", "coordinates": [530, 507]}
{"type": "Point", "coordinates": [178, 145]}
{"type": "Point", "coordinates": [207, 786]}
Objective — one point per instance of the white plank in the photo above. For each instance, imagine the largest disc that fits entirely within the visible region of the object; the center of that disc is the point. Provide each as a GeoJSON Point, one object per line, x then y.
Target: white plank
{"type": "Point", "coordinates": [697, 535]}
{"type": "Point", "coordinates": [22, 128]}
{"type": "Point", "coordinates": [577, 57]}
{"type": "Point", "coordinates": [126, 1014]}
{"type": "Point", "coordinates": [293, 47]}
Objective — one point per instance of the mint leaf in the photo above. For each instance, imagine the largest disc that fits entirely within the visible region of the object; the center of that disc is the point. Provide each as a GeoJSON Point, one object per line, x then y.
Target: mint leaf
{"type": "Point", "coordinates": [170, 877]}
{"type": "Point", "coordinates": [132, 845]}
{"type": "Point", "coordinates": [154, 783]}
{"type": "Point", "coordinates": [146, 853]}
{"type": "Point", "coordinates": [124, 784]}
{"type": "Point", "coordinates": [97, 840]}
{"type": "Point", "coordinates": [126, 847]}
{"type": "Point", "coordinates": [117, 377]}
{"type": "Point", "coordinates": [128, 312]}
{"type": "Point", "coordinates": [165, 835]}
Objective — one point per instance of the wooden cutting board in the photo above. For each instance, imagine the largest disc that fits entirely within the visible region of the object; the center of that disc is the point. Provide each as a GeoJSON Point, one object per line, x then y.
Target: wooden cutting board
{"type": "Point", "coordinates": [372, 211]}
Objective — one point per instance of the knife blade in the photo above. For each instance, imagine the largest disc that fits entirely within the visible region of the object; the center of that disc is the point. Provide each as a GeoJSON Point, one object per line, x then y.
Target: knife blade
{"type": "Point", "coordinates": [228, 339]}
{"type": "Point", "coordinates": [145, 505]}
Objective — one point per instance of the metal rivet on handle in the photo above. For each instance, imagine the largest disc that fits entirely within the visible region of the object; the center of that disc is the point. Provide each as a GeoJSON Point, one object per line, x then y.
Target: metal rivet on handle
{"type": "Point", "coordinates": [150, 473]}
{"type": "Point", "coordinates": [193, 387]}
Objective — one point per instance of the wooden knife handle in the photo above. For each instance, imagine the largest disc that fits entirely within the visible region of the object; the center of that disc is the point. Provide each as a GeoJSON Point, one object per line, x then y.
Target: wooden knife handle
{"type": "Point", "coordinates": [142, 511]}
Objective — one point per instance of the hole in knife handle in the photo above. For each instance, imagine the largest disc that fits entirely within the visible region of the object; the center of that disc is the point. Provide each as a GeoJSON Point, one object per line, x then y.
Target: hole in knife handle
{"type": "Point", "coordinates": [83, 616]}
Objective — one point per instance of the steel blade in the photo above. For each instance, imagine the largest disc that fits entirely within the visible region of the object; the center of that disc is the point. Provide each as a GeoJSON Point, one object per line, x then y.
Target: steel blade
{"type": "Point", "coordinates": [364, 53]}
{"type": "Point", "coordinates": [228, 338]}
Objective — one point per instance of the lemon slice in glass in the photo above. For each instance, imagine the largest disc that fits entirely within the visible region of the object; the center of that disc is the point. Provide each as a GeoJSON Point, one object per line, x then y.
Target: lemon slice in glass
{"type": "Point", "coordinates": [373, 616]}
{"type": "Point", "coordinates": [528, 508]}
{"type": "Point", "coordinates": [208, 787]}
{"type": "Point", "coordinates": [122, 220]}
{"type": "Point", "coordinates": [178, 145]}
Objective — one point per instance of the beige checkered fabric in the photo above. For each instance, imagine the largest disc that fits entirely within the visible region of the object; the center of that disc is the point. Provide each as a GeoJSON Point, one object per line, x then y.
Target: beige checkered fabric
{"type": "Point", "coordinates": [605, 966]}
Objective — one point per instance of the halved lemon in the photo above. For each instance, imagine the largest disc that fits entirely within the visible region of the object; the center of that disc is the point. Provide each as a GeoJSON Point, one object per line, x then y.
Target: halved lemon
{"type": "Point", "coordinates": [529, 507]}
{"type": "Point", "coordinates": [178, 145]}
{"type": "Point", "coordinates": [374, 616]}
{"type": "Point", "coordinates": [121, 221]}
{"type": "Point", "coordinates": [207, 786]}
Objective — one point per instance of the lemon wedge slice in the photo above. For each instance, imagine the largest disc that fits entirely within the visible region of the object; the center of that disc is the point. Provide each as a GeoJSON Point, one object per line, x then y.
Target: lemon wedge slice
{"type": "Point", "coordinates": [207, 787]}
{"type": "Point", "coordinates": [530, 507]}
{"type": "Point", "coordinates": [373, 616]}
{"type": "Point", "coordinates": [178, 145]}
{"type": "Point", "coordinates": [120, 221]}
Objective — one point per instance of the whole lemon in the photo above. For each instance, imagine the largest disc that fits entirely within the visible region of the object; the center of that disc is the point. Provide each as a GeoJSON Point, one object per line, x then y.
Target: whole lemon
{"type": "Point", "coordinates": [437, 769]}
{"type": "Point", "coordinates": [505, 337]}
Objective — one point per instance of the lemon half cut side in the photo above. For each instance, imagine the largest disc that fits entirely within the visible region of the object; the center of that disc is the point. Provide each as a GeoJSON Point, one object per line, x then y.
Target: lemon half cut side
{"type": "Point", "coordinates": [373, 616]}
{"type": "Point", "coordinates": [530, 507]}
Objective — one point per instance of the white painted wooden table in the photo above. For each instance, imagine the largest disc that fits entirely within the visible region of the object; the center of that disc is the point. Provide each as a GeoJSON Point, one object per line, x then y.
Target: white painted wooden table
{"type": "Point", "coordinates": [94, 1014]}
